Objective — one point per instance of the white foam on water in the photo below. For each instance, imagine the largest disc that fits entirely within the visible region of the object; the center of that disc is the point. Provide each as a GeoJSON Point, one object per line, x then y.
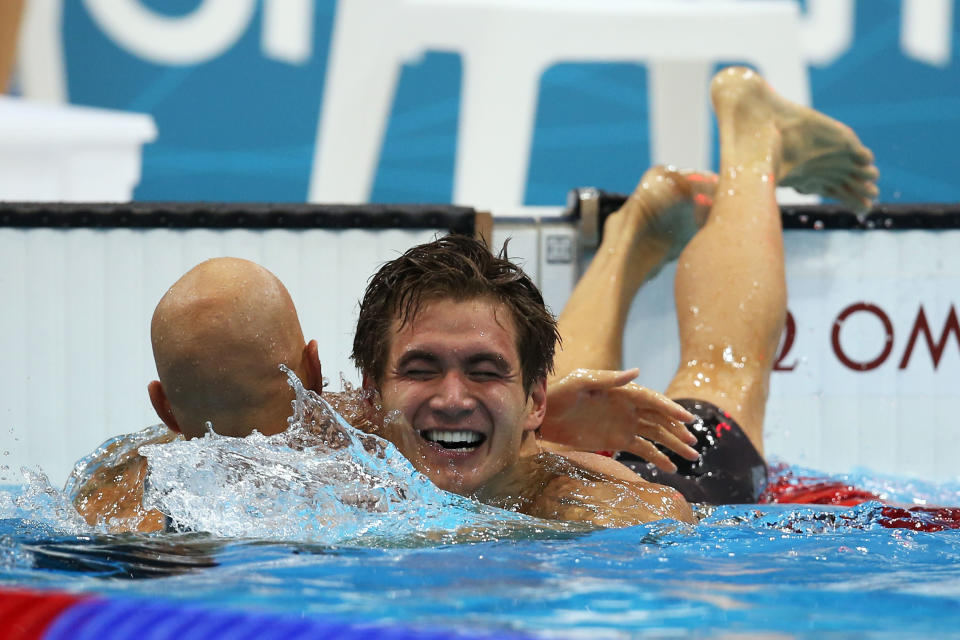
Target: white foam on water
{"type": "Point", "coordinates": [321, 480]}
{"type": "Point", "coordinates": [38, 501]}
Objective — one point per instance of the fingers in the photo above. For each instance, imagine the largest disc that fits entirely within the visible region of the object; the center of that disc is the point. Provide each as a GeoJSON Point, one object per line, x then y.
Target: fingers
{"type": "Point", "coordinates": [681, 431]}
{"type": "Point", "coordinates": [659, 419]}
{"type": "Point", "coordinates": [649, 400]}
{"type": "Point", "coordinates": [651, 454]}
{"type": "Point", "coordinates": [676, 437]}
{"type": "Point", "coordinates": [655, 422]}
{"type": "Point", "coordinates": [619, 378]}
{"type": "Point", "coordinates": [594, 379]}
{"type": "Point", "coordinates": [653, 427]}
{"type": "Point", "coordinates": [644, 447]}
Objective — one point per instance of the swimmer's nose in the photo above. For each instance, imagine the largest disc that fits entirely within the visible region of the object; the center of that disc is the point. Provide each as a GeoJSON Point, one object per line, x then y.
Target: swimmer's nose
{"type": "Point", "coordinates": [453, 396]}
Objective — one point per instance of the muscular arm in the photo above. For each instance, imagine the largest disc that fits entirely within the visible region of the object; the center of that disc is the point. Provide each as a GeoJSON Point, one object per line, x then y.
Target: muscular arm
{"type": "Point", "coordinates": [601, 491]}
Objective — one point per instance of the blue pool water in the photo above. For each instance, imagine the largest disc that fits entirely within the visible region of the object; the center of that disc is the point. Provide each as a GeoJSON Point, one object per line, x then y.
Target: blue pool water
{"type": "Point", "coordinates": [744, 569]}
{"type": "Point", "coordinates": [345, 535]}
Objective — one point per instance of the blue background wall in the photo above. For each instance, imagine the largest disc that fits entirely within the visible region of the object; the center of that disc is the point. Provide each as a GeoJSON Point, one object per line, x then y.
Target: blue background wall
{"type": "Point", "coordinates": [242, 126]}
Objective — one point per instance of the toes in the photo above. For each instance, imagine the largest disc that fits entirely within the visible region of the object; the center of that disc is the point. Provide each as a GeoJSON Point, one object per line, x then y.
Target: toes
{"type": "Point", "coordinates": [867, 173]}
{"type": "Point", "coordinates": [861, 155]}
{"type": "Point", "coordinates": [861, 189]}
{"type": "Point", "coordinates": [853, 198]}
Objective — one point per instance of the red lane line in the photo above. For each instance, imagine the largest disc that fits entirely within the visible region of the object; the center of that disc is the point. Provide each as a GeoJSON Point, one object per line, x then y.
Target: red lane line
{"type": "Point", "coordinates": [25, 615]}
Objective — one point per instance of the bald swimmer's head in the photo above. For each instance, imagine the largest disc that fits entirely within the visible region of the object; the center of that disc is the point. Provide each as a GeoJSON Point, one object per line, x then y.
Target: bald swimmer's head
{"type": "Point", "coordinates": [219, 334]}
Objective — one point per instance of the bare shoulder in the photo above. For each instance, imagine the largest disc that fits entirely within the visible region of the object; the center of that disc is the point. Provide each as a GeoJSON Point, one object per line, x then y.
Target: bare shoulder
{"type": "Point", "coordinates": [592, 488]}
{"type": "Point", "coordinates": [604, 464]}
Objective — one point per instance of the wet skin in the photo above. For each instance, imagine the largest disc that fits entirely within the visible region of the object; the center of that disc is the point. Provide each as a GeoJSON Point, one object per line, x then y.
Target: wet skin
{"type": "Point", "coordinates": [453, 373]}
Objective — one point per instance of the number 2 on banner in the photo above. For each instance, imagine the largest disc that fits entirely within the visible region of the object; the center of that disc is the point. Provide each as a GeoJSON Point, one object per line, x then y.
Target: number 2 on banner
{"type": "Point", "coordinates": [789, 336]}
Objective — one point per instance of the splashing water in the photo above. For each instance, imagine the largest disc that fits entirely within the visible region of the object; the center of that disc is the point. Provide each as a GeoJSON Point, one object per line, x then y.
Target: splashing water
{"type": "Point", "coordinates": [42, 503]}
{"type": "Point", "coordinates": [320, 481]}
{"type": "Point", "coordinates": [324, 481]}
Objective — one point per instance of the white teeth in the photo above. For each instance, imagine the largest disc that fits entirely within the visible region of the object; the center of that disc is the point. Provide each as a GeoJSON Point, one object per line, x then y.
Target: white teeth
{"type": "Point", "coordinates": [454, 439]}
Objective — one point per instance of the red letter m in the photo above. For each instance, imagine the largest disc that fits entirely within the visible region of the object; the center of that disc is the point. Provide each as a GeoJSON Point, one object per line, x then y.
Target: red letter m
{"type": "Point", "coordinates": [936, 350]}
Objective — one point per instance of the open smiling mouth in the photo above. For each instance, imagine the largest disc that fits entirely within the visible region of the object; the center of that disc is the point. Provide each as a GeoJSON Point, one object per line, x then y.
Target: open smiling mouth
{"type": "Point", "coordinates": [456, 440]}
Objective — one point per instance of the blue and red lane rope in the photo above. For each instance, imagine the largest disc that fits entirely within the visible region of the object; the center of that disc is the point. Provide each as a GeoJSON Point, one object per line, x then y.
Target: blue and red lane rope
{"type": "Point", "coordinates": [45, 615]}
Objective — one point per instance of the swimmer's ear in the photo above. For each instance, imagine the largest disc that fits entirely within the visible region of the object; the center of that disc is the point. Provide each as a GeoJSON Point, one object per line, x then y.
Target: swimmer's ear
{"type": "Point", "coordinates": [158, 398]}
{"type": "Point", "coordinates": [370, 388]}
{"type": "Point", "coordinates": [311, 355]}
{"type": "Point", "coordinates": [536, 405]}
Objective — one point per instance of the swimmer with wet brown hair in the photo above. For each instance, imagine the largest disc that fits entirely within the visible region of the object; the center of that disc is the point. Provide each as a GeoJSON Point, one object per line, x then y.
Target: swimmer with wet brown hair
{"type": "Point", "coordinates": [453, 367]}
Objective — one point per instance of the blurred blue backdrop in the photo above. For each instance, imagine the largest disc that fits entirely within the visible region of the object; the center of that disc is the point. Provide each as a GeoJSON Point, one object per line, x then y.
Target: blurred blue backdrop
{"type": "Point", "coordinates": [242, 126]}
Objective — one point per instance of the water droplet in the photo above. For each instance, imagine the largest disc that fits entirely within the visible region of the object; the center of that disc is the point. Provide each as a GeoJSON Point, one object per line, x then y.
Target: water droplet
{"type": "Point", "coordinates": [818, 225]}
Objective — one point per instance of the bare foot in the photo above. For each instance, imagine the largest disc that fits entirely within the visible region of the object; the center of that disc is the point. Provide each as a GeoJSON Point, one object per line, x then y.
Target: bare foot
{"type": "Point", "coordinates": [813, 152]}
{"type": "Point", "coordinates": [667, 208]}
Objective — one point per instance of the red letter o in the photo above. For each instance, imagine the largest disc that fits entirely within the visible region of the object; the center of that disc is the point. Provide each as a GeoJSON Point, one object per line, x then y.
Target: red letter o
{"type": "Point", "coordinates": [887, 327]}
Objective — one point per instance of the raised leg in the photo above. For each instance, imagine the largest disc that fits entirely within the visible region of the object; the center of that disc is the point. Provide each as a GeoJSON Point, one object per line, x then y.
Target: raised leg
{"type": "Point", "coordinates": [730, 288]}
{"type": "Point", "coordinates": [663, 213]}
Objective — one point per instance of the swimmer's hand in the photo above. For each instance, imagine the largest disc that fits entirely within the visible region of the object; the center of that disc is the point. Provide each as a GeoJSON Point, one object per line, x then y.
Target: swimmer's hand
{"type": "Point", "coordinates": [602, 410]}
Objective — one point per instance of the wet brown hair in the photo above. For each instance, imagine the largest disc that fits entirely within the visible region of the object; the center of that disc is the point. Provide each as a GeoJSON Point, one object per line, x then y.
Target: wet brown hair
{"type": "Point", "coordinates": [455, 267]}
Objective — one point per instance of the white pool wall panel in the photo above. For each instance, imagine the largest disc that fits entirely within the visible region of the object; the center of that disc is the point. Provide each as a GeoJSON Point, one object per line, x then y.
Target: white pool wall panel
{"type": "Point", "coordinates": [823, 414]}
{"type": "Point", "coordinates": [76, 310]}
{"type": "Point", "coordinates": [77, 303]}
{"type": "Point", "coordinates": [546, 249]}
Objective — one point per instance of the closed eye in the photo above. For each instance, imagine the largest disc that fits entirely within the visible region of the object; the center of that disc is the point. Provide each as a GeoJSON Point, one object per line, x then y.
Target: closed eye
{"type": "Point", "coordinates": [418, 373]}
{"type": "Point", "coordinates": [418, 364]}
{"type": "Point", "coordinates": [486, 375]}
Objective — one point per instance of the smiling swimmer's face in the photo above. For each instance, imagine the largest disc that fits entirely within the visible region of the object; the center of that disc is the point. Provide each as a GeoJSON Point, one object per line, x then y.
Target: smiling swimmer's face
{"type": "Point", "coordinates": [453, 377]}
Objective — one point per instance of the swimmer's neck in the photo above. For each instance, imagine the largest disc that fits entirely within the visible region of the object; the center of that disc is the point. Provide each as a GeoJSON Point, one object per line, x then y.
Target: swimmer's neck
{"type": "Point", "coordinates": [520, 485]}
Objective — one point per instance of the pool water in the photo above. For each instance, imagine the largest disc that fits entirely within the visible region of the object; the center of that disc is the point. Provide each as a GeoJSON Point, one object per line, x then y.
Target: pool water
{"type": "Point", "coordinates": [352, 534]}
{"type": "Point", "coordinates": [800, 571]}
